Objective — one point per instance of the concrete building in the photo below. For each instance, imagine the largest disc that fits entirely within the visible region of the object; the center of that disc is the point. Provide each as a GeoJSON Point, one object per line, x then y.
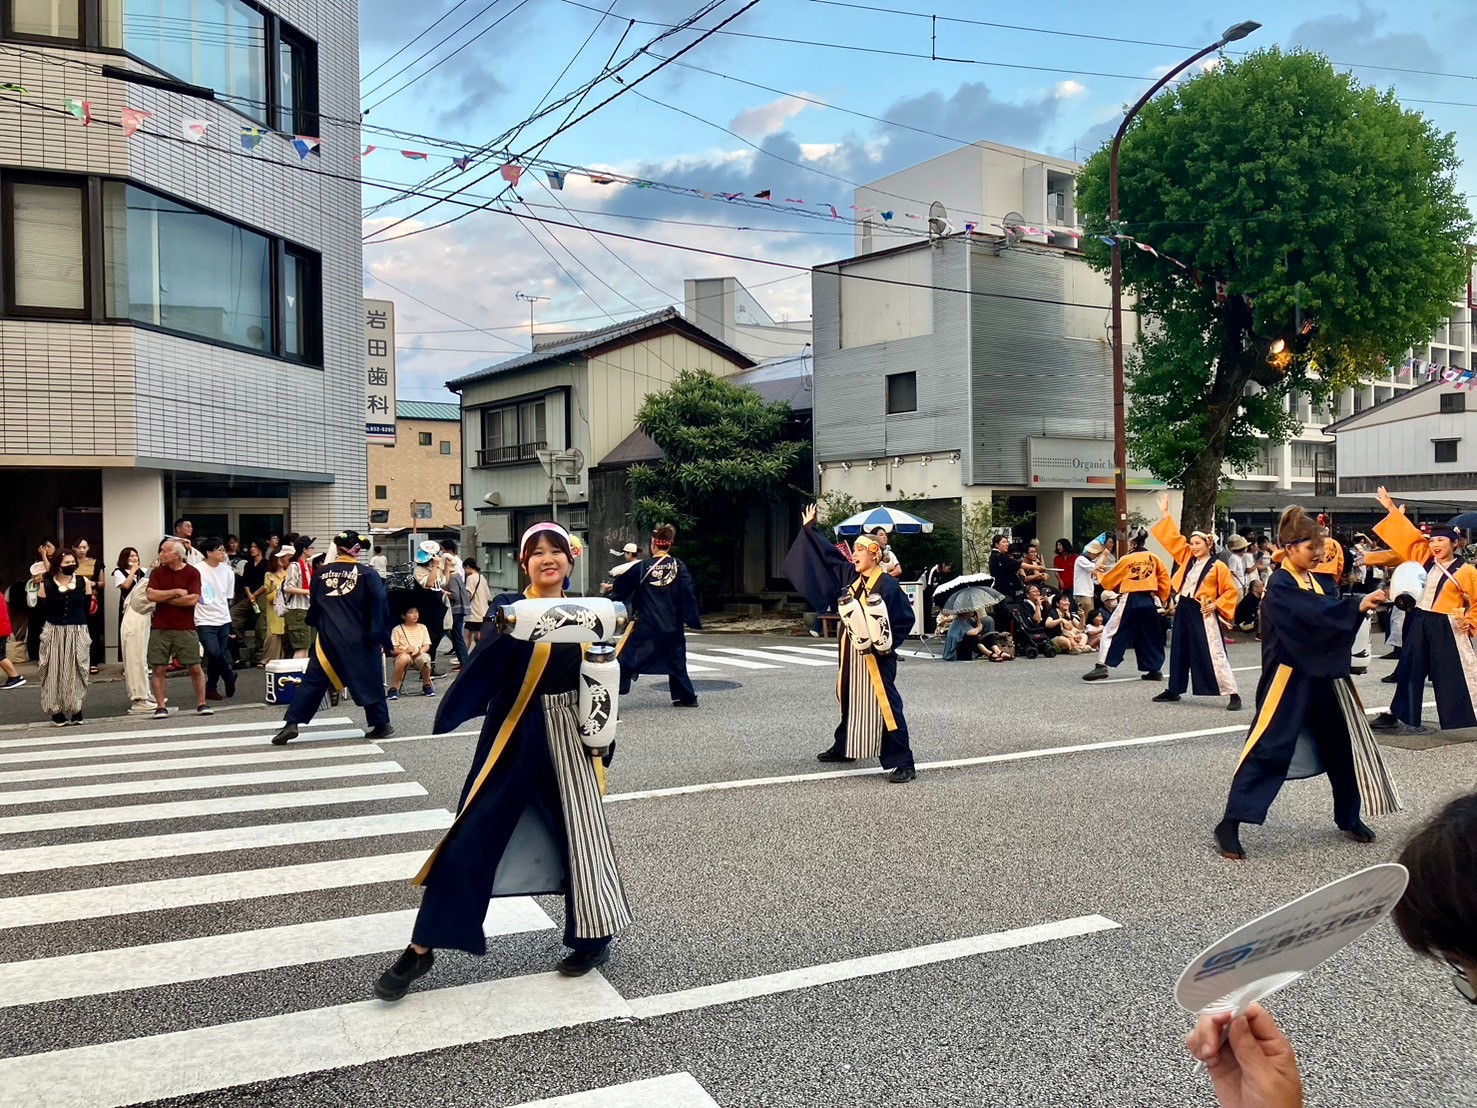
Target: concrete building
{"type": "Point", "coordinates": [181, 330]}
{"type": "Point", "coordinates": [418, 480]}
{"type": "Point", "coordinates": [577, 397]}
{"type": "Point", "coordinates": [725, 309]}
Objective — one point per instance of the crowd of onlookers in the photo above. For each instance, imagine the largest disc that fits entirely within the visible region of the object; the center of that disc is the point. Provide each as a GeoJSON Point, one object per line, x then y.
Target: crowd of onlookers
{"type": "Point", "coordinates": [211, 607]}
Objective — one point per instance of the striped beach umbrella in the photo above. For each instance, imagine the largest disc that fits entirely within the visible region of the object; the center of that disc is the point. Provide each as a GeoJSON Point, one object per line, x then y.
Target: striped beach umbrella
{"type": "Point", "coordinates": [894, 521]}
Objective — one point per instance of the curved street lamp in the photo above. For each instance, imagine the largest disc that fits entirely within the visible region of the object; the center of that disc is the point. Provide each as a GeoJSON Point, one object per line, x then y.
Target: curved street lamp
{"type": "Point", "coordinates": [1120, 434]}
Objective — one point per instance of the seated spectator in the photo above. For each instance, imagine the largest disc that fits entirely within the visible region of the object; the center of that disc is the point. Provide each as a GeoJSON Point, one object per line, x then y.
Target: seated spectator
{"type": "Point", "coordinates": [1096, 624]}
{"type": "Point", "coordinates": [998, 646]}
{"type": "Point", "coordinates": [1249, 610]}
{"type": "Point", "coordinates": [963, 642]}
{"type": "Point", "coordinates": [412, 643]}
{"type": "Point", "coordinates": [1252, 1064]}
{"type": "Point", "coordinates": [1065, 628]}
{"type": "Point", "coordinates": [1107, 602]}
{"type": "Point", "coordinates": [1033, 569]}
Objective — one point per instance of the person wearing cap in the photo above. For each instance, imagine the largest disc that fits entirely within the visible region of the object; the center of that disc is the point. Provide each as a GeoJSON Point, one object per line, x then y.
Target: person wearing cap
{"type": "Point", "coordinates": [629, 555]}
{"type": "Point", "coordinates": [1140, 579]}
{"type": "Point", "coordinates": [429, 595]}
{"type": "Point", "coordinates": [1085, 567]}
{"type": "Point", "coordinates": [1437, 636]}
{"type": "Point", "coordinates": [1241, 562]}
{"type": "Point", "coordinates": [872, 723]}
{"type": "Point", "coordinates": [1206, 598]}
{"type": "Point", "coordinates": [351, 616]}
{"type": "Point", "coordinates": [660, 591]}
{"type": "Point", "coordinates": [1308, 716]}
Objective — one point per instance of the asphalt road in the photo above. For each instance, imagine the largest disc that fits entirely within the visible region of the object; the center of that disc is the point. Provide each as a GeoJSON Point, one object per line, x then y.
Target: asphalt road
{"type": "Point", "coordinates": [1073, 878]}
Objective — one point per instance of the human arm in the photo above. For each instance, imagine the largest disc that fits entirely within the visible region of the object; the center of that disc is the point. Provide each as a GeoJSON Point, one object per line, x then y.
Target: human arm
{"type": "Point", "coordinates": [1251, 1063]}
{"type": "Point", "coordinates": [691, 615]}
{"type": "Point", "coordinates": [1398, 533]}
{"type": "Point", "coordinates": [1167, 531]}
{"type": "Point", "coordinates": [1219, 595]}
{"type": "Point", "coordinates": [293, 584]}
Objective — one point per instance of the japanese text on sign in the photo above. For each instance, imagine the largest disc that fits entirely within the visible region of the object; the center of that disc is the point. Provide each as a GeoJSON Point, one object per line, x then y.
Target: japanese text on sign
{"type": "Point", "coordinates": [379, 371]}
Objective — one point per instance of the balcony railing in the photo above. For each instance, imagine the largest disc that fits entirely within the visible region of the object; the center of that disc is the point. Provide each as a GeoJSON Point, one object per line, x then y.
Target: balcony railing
{"type": "Point", "coordinates": [504, 455]}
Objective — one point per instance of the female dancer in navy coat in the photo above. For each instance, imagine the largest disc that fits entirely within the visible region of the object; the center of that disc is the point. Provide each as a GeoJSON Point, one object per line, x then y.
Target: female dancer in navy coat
{"type": "Point", "coordinates": [660, 590]}
{"type": "Point", "coordinates": [530, 820]}
{"type": "Point", "coordinates": [1307, 712]}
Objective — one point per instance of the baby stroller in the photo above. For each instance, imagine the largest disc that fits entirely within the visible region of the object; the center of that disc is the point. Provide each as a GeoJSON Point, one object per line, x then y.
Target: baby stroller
{"type": "Point", "coordinates": [1030, 637]}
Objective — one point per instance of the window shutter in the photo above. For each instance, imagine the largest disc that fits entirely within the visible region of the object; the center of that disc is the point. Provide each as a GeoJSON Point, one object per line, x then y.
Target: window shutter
{"type": "Point", "coordinates": [47, 237]}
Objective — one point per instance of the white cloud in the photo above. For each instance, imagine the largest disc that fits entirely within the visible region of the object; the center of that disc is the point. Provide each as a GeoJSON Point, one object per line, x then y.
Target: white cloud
{"type": "Point", "coordinates": [1065, 90]}
{"type": "Point", "coordinates": [767, 119]}
{"type": "Point", "coordinates": [818, 151]}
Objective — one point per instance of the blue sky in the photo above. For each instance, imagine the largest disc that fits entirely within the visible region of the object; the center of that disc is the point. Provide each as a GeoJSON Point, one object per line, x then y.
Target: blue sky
{"type": "Point", "coordinates": [1059, 93]}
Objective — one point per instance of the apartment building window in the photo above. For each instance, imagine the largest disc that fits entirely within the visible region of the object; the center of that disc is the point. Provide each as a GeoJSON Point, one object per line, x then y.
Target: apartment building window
{"type": "Point", "coordinates": [45, 248]}
{"type": "Point", "coordinates": [902, 393]}
{"type": "Point", "coordinates": [379, 515]}
{"type": "Point", "coordinates": [297, 83]}
{"type": "Point", "coordinates": [424, 438]}
{"type": "Point", "coordinates": [1452, 402]}
{"type": "Point", "coordinates": [513, 433]}
{"type": "Point", "coordinates": [381, 492]}
{"type": "Point", "coordinates": [445, 446]}
{"type": "Point", "coordinates": [51, 19]}
{"type": "Point", "coordinates": [302, 306]}
{"type": "Point", "coordinates": [455, 493]}
{"type": "Point", "coordinates": [1445, 449]}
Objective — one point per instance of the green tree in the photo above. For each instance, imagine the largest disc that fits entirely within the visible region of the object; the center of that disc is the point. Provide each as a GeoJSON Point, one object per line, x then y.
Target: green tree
{"type": "Point", "coordinates": [726, 452]}
{"type": "Point", "coordinates": [1334, 220]}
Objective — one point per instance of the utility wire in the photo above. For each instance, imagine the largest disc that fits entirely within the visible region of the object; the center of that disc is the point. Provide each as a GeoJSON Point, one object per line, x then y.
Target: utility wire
{"type": "Point", "coordinates": [395, 54]}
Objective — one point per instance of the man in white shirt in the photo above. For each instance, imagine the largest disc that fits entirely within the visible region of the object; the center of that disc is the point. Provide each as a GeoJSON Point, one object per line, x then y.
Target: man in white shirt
{"type": "Point", "coordinates": [888, 561]}
{"type": "Point", "coordinates": [213, 618]}
{"type": "Point", "coordinates": [379, 563]}
{"type": "Point", "coordinates": [1084, 579]}
{"type": "Point", "coordinates": [1241, 563]}
{"type": "Point", "coordinates": [184, 532]}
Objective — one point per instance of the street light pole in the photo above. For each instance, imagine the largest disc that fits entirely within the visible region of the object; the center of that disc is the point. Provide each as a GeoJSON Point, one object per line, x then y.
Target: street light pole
{"type": "Point", "coordinates": [532, 300]}
{"type": "Point", "coordinates": [1120, 432]}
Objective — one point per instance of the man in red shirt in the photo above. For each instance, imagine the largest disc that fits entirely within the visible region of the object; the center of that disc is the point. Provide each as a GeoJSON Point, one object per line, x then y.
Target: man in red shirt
{"type": "Point", "coordinates": [174, 587]}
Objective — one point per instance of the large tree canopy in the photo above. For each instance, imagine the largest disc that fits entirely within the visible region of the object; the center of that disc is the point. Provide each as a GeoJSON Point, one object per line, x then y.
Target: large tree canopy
{"type": "Point", "coordinates": [1330, 213]}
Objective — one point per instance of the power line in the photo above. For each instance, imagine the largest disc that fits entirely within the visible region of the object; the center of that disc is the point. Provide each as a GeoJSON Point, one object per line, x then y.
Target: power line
{"type": "Point", "coordinates": [440, 61]}
{"type": "Point", "coordinates": [396, 53]}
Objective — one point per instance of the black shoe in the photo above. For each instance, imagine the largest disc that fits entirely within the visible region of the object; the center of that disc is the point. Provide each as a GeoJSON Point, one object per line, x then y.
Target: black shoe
{"type": "Point", "coordinates": [1360, 832]}
{"type": "Point", "coordinates": [394, 983]}
{"type": "Point", "coordinates": [1385, 722]}
{"type": "Point", "coordinates": [1152, 675]}
{"type": "Point", "coordinates": [1097, 673]}
{"type": "Point", "coordinates": [383, 731]}
{"type": "Point", "coordinates": [902, 775]}
{"type": "Point", "coordinates": [286, 735]}
{"type": "Point", "coordinates": [1391, 656]}
{"type": "Point", "coordinates": [832, 756]}
{"type": "Point", "coordinates": [1235, 704]}
{"type": "Point", "coordinates": [1166, 697]}
{"type": "Point", "coordinates": [76, 720]}
{"type": "Point", "coordinates": [577, 963]}
{"type": "Point", "coordinates": [333, 699]}
{"type": "Point", "coordinates": [684, 703]}
{"type": "Point", "coordinates": [1228, 840]}
{"type": "Point", "coordinates": [59, 719]}
{"type": "Point", "coordinates": [1388, 680]}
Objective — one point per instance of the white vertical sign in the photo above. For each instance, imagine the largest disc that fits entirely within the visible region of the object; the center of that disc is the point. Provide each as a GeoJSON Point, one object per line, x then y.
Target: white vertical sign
{"type": "Point", "coordinates": [379, 371]}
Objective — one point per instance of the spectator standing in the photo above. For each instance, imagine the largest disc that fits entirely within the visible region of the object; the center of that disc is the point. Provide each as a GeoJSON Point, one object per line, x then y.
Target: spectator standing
{"type": "Point", "coordinates": [45, 552]}
{"type": "Point", "coordinates": [62, 600]}
{"type": "Point", "coordinates": [1005, 567]}
{"type": "Point", "coordinates": [1084, 575]}
{"type": "Point", "coordinates": [246, 614]}
{"type": "Point", "coordinates": [379, 563]}
{"type": "Point", "coordinates": [459, 603]}
{"type": "Point", "coordinates": [296, 593]}
{"type": "Point", "coordinates": [128, 573]}
{"type": "Point", "coordinates": [213, 618]}
{"type": "Point", "coordinates": [184, 531]}
{"type": "Point", "coordinates": [481, 599]}
{"type": "Point", "coordinates": [1064, 560]}
{"type": "Point", "coordinates": [13, 680]}
{"type": "Point", "coordinates": [889, 563]}
{"type": "Point", "coordinates": [1241, 562]}
{"type": "Point", "coordinates": [934, 576]}
{"type": "Point", "coordinates": [133, 641]}
{"type": "Point", "coordinates": [91, 571]}
{"type": "Point", "coordinates": [273, 606]}
{"type": "Point", "coordinates": [174, 587]}
{"type": "Point", "coordinates": [411, 645]}
{"type": "Point", "coordinates": [430, 595]}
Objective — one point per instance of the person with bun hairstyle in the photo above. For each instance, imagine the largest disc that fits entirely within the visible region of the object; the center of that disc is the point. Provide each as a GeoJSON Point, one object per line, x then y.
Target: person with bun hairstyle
{"type": "Point", "coordinates": [660, 591]}
{"type": "Point", "coordinates": [530, 820]}
{"type": "Point", "coordinates": [1307, 712]}
{"type": "Point", "coordinates": [1139, 578]}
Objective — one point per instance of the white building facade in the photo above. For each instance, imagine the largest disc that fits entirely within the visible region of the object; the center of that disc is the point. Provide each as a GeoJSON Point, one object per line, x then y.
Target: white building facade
{"type": "Point", "coordinates": [180, 327]}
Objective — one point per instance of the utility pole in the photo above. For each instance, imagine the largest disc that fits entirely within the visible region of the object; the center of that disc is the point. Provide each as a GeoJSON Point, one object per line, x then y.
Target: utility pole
{"type": "Point", "coordinates": [531, 300]}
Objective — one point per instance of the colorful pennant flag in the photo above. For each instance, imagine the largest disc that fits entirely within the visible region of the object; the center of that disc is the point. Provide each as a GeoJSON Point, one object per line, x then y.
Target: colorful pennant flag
{"type": "Point", "coordinates": [304, 145]}
{"type": "Point", "coordinates": [597, 179]}
{"type": "Point", "coordinates": [969, 228]}
{"type": "Point", "coordinates": [368, 150]}
{"type": "Point", "coordinates": [194, 129]}
{"type": "Point", "coordinates": [834, 213]}
{"type": "Point", "coordinates": [132, 119]}
{"type": "Point", "coordinates": [887, 216]}
{"type": "Point", "coordinates": [82, 109]}
{"type": "Point", "coordinates": [251, 138]}
{"type": "Point", "coordinates": [511, 173]}
{"type": "Point", "coordinates": [645, 185]}
{"type": "Point", "coordinates": [763, 194]}
{"type": "Point", "coordinates": [1147, 249]}
{"type": "Point", "coordinates": [10, 87]}
{"type": "Point", "coordinates": [793, 200]}
{"type": "Point", "coordinates": [461, 163]}
{"type": "Point", "coordinates": [413, 155]}
{"type": "Point", "coordinates": [555, 179]}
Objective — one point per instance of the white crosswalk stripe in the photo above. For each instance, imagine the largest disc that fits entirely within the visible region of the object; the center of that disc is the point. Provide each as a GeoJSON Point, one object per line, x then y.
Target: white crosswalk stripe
{"type": "Point", "coordinates": [166, 747]}
{"type": "Point", "coordinates": [157, 765]}
{"type": "Point", "coordinates": [189, 784]}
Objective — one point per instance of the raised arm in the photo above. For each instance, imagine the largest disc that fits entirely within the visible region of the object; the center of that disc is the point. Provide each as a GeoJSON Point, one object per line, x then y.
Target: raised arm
{"type": "Point", "coordinates": [1398, 533]}
{"type": "Point", "coordinates": [1167, 531]}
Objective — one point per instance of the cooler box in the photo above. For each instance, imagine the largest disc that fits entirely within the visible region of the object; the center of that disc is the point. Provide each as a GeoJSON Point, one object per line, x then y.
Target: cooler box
{"type": "Point", "coordinates": [283, 678]}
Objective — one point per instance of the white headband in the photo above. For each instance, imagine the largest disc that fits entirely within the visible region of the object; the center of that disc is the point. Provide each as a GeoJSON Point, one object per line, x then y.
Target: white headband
{"type": "Point", "coordinates": [558, 530]}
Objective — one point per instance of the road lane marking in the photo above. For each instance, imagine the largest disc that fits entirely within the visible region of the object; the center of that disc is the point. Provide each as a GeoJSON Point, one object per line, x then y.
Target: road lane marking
{"type": "Point", "coordinates": [259, 836]}
{"type": "Point", "coordinates": [207, 888]}
{"type": "Point", "coordinates": [163, 765]}
{"type": "Point", "coordinates": [414, 738]}
{"type": "Point", "coordinates": [797, 660]}
{"type": "Point", "coordinates": [675, 1090]}
{"type": "Point", "coordinates": [813, 651]}
{"type": "Point", "coordinates": [738, 663]}
{"type": "Point", "coordinates": [1120, 680]}
{"type": "Point", "coordinates": [210, 806]}
{"type": "Point", "coordinates": [727, 992]}
{"type": "Point", "coordinates": [67, 737]}
{"type": "Point", "coordinates": [20, 757]}
{"type": "Point", "coordinates": [187, 784]}
{"type": "Point", "coordinates": [170, 963]}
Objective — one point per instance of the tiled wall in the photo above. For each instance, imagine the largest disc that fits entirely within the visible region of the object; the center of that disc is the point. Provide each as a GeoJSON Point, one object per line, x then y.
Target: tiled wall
{"type": "Point", "coordinates": [193, 402]}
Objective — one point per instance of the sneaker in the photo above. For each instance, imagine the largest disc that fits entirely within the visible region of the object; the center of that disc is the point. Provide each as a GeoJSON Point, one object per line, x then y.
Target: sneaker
{"type": "Point", "coordinates": [832, 756]}
{"type": "Point", "coordinates": [204, 710]}
{"type": "Point", "coordinates": [76, 720]}
{"type": "Point", "coordinates": [815, 634]}
{"type": "Point", "coordinates": [427, 690]}
{"type": "Point", "coordinates": [1394, 654]}
{"type": "Point", "coordinates": [392, 694]}
{"type": "Point", "coordinates": [14, 683]}
{"type": "Point", "coordinates": [141, 707]}
{"type": "Point", "coordinates": [577, 963]}
{"type": "Point", "coordinates": [58, 719]}
{"type": "Point", "coordinates": [1391, 679]}
{"type": "Point", "coordinates": [161, 712]}
{"type": "Point", "coordinates": [383, 731]}
{"type": "Point", "coordinates": [1153, 675]}
{"type": "Point", "coordinates": [1097, 673]}
{"type": "Point", "coordinates": [286, 735]}
{"type": "Point", "coordinates": [684, 703]}
{"type": "Point", "coordinates": [902, 775]}
{"type": "Point", "coordinates": [395, 982]}
{"type": "Point", "coordinates": [1385, 721]}
{"type": "Point", "coordinates": [1166, 697]}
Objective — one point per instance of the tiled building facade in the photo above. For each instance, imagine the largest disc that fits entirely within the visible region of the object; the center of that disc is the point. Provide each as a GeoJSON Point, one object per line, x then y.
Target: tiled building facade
{"type": "Point", "coordinates": [180, 324]}
{"type": "Point", "coordinates": [423, 467]}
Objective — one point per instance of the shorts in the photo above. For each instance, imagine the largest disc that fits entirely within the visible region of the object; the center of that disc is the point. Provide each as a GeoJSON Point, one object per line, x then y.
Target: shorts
{"type": "Point", "coordinates": [298, 634]}
{"type": "Point", "coordinates": [181, 645]}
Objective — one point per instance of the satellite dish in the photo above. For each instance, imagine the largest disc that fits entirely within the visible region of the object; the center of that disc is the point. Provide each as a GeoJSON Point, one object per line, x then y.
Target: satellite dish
{"type": "Point", "coordinates": [1013, 222]}
{"type": "Point", "coordinates": [938, 220]}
